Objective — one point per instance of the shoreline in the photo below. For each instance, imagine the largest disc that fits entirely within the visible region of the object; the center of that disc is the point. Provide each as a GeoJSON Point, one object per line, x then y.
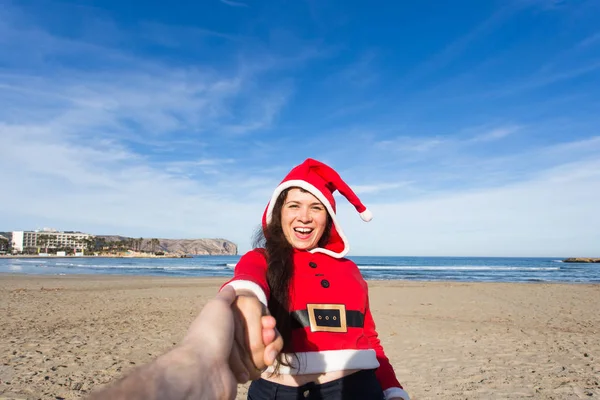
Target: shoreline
{"type": "Point", "coordinates": [110, 256]}
{"type": "Point", "coordinates": [113, 276]}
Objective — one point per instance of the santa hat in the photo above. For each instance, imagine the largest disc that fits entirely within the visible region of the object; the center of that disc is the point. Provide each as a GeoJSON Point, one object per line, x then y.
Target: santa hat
{"type": "Point", "coordinates": [321, 181]}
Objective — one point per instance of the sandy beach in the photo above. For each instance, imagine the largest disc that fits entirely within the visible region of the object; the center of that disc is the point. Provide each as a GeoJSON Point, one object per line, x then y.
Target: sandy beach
{"type": "Point", "coordinates": [63, 336]}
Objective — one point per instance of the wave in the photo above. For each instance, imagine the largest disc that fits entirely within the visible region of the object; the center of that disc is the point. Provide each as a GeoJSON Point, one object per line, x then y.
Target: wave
{"type": "Point", "coordinates": [229, 265]}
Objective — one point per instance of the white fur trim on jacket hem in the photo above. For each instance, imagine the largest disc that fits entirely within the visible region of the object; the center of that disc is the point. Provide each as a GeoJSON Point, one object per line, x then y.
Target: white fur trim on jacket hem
{"type": "Point", "coordinates": [395, 392]}
{"type": "Point", "coordinates": [328, 361]}
{"type": "Point", "coordinates": [249, 285]}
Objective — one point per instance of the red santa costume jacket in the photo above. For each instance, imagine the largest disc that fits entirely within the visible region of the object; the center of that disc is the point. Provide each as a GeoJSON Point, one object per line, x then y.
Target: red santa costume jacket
{"type": "Point", "coordinates": [333, 328]}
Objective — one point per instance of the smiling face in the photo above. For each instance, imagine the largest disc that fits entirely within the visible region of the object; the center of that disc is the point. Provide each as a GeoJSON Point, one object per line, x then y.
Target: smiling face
{"type": "Point", "coordinates": [303, 219]}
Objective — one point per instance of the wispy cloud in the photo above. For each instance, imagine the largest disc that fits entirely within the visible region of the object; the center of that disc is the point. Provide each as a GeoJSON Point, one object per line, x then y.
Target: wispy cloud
{"type": "Point", "coordinates": [495, 134]}
{"type": "Point", "coordinates": [488, 222]}
{"type": "Point", "coordinates": [361, 72]}
{"type": "Point", "coordinates": [537, 214]}
{"type": "Point", "coordinates": [234, 3]}
{"type": "Point", "coordinates": [460, 45]}
{"type": "Point", "coordinates": [380, 187]}
{"type": "Point", "coordinates": [181, 36]}
{"type": "Point", "coordinates": [549, 79]}
{"type": "Point", "coordinates": [455, 166]}
{"type": "Point", "coordinates": [448, 141]}
{"type": "Point", "coordinates": [540, 79]}
{"type": "Point", "coordinates": [134, 95]}
{"type": "Point", "coordinates": [80, 135]}
{"type": "Point", "coordinates": [261, 114]}
{"type": "Point", "coordinates": [590, 40]}
{"type": "Point", "coordinates": [194, 167]}
{"type": "Point", "coordinates": [410, 144]}
{"type": "Point", "coordinates": [352, 108]}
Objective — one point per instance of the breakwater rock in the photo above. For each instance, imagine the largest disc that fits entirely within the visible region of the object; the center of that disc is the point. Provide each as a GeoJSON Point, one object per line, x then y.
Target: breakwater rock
{"type": "Point", "coordinates": [582, 260]}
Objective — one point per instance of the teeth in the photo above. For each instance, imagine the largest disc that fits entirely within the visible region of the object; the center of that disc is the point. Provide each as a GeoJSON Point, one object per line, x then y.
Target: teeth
{"type": "Point", "coordinates": [303, 230]}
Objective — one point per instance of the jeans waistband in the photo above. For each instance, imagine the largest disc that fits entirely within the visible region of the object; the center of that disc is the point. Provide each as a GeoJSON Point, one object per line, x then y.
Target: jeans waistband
{"type": "Point", "coordinates": [359, 375]}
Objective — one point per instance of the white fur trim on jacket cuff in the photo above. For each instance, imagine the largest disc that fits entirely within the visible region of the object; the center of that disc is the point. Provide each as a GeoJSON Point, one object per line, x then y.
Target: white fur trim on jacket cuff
{"type": "Point", "coordinates": [366, 215]}
{"type": "Point", "coordinates": [251, 286]}
{"type": "Point", "coordinates": [395, 392]}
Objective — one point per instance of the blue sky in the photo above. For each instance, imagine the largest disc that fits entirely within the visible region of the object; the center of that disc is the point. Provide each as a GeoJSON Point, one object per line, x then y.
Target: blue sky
{"type": "Point", "coordinates": [467, 127]}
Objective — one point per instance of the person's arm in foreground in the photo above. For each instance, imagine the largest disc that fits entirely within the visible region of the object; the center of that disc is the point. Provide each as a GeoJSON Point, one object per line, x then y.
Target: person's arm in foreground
{"type": "Point", "coordinates": [198, 368]}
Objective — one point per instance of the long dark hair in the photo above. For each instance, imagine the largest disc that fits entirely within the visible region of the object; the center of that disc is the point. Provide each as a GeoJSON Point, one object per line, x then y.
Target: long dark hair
{"type": "Point", "coordinates": [279, 254]}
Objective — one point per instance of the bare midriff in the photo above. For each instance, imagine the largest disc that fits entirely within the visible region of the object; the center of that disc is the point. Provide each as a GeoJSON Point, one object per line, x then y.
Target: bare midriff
{"type": "Point", "coordinates": [299, 380]}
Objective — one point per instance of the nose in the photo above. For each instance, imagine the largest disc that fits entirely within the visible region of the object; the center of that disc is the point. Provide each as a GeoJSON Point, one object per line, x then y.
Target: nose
{"type": "Point", "coordinates": [304, 215]}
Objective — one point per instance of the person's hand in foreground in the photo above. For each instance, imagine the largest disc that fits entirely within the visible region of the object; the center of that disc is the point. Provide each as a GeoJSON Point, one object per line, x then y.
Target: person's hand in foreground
{"type": "Point", "coordinates": [198, 368]}
{"type": "Point", "coordinates": [255, 345]}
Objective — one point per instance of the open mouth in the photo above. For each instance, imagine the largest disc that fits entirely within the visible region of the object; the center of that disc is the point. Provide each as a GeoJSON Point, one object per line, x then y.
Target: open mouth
{"type": "Point", "coordinates": [303, 233]}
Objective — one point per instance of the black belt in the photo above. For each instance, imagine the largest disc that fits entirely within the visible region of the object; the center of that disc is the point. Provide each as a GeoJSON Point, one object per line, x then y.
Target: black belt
{"type": "Point", "coordinates": [327, 318]}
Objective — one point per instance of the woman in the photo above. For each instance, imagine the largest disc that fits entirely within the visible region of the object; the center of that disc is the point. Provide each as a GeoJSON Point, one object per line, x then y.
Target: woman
{"type": "Point", "coordinates": [318, 298]}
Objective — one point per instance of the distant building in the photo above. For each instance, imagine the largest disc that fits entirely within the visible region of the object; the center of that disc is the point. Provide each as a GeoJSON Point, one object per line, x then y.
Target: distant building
{"type": "Point", "coordinates": [4, 244]}
{"type": "Point", "coordinates": [48, 238]}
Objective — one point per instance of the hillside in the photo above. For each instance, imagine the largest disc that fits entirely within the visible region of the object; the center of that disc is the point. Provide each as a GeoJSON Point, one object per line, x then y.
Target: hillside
{"type": "Point", "coordinates": [180, 246]}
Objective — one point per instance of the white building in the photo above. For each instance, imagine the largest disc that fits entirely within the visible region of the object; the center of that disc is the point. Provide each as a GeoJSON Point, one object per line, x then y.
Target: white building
{"type": "Point", "coordinates": [48, 238]}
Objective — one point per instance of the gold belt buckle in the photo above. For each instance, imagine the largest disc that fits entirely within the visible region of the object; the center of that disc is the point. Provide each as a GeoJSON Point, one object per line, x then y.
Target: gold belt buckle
{"type": "Point", "coordinates": [327, 317]}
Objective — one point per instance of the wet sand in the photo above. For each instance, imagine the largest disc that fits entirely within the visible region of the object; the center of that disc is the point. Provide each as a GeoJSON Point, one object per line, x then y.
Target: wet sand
{"type": "Point", "coordinates": [64, 336]}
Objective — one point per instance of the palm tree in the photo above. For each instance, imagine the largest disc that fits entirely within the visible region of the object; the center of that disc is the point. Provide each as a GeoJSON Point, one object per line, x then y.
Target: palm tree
{"type": "Point", "coordinates": [153, 244]}
{"type": "Point", "coordinates": [88, 243]}
{"type": "Point", "coordinates": [43, 241]}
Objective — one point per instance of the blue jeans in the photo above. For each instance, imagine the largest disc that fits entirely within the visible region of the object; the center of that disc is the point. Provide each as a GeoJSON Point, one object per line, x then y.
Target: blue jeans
{"type": "Point", "coordinates": [361, 385]}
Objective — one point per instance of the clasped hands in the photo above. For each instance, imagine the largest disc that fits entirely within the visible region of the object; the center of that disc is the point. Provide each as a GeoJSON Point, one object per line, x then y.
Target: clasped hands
{"type": "Point", "coordinates": [238, 333]}
{"type": "Point", "coordinates": [256, 339]}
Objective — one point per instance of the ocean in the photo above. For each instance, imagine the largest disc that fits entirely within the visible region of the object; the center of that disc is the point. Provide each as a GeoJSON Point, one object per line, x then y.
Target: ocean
{"type": "Point", "coordinates": [461, 269]}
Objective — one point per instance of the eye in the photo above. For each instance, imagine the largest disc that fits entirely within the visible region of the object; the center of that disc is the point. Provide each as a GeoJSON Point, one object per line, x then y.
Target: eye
{"type": "Point", "coordinates": [317, 208]}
